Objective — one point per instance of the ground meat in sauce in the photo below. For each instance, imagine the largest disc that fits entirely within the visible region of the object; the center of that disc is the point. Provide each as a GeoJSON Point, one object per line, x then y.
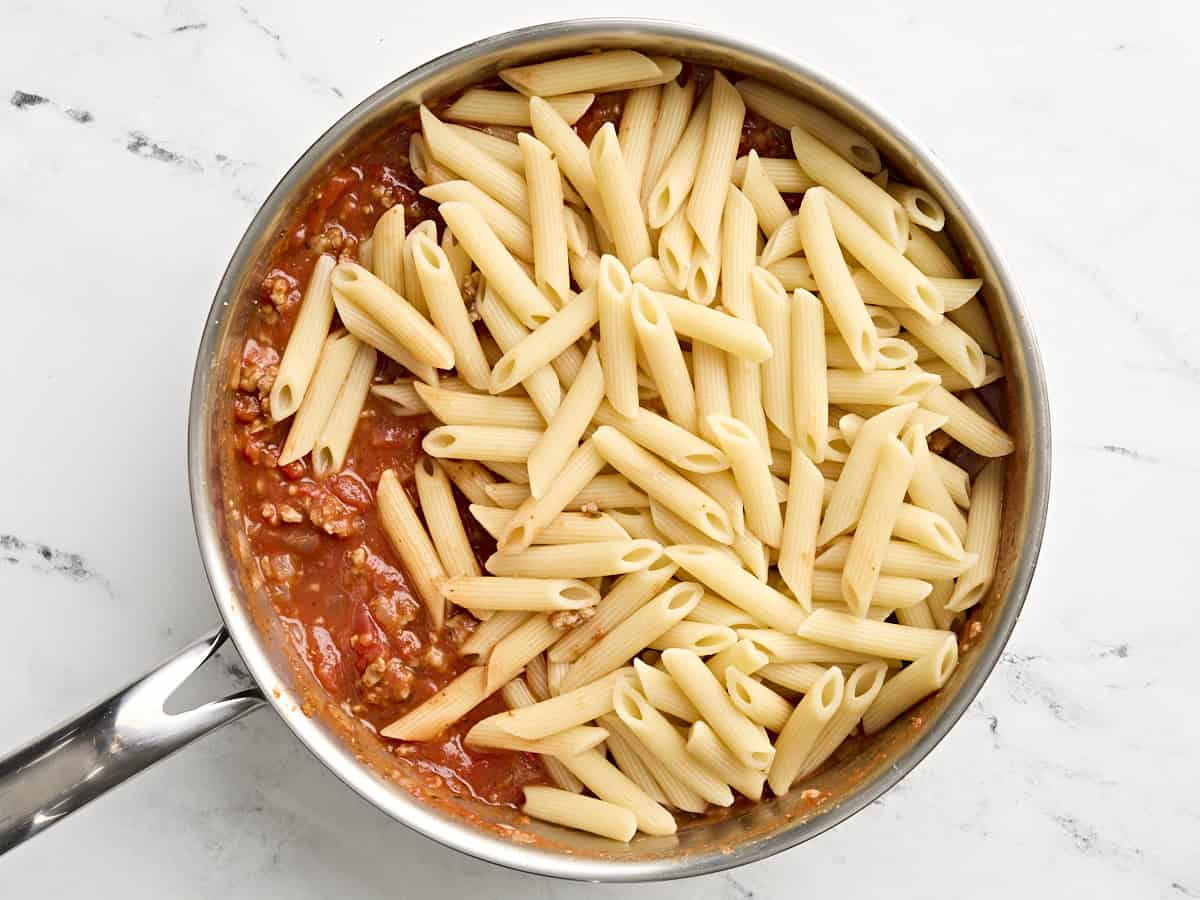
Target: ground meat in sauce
{"type": "Point", "coordinates": [318, 547]}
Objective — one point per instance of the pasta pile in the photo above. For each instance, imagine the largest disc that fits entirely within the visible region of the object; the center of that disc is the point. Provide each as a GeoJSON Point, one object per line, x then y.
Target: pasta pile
{"type": "Point", "coordinates": [700, 427]}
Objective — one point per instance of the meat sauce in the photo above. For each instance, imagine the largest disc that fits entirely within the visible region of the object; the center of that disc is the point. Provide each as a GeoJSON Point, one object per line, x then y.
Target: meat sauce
{"type": "Point", "coordinates": [318, 546]}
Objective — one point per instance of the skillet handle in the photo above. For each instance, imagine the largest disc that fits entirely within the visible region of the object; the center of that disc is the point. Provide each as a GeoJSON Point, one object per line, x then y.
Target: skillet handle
{"type": "Point", "coordinates": [83, 757]}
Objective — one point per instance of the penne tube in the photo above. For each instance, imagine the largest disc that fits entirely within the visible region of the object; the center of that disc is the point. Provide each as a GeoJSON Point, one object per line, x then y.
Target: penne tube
{"type": "Point", "coordinates": [517, 695]}
{"type": "Point", "coordinates": [427, 170]}
{"type": "Point", "coordinates": [704, 276]}
{"type": "Point", "coordinates": [439, 286]}
{"type": "Point", "coordinates": [955, 291]}
{"type": "Point", "coordinates": [772, 307]}
{"type": "Point", "coordinates": [880, 639]}
{"type": "Point", "coordinates": [954, 382]}
{"type": "Point", "coordinates": [927, 529]}
{"type": "Point", "coordinates": [714, 169]}
{"type": "Point", "coordinates": [514, 652]}
{"type": "Point", "coordinates": [769, 206]}
{"type": "Point", "coordinates": [662, 483]}
{"type": "Point", "coordinates": [756, 701]}
{"type": "Point", "coordinates": [610, 784]}
{"type": "Point", "coordinates": [919, 205]}
{"type": "Point", "coordinates": [413, 292]}
{"type": "Point", "coordinates": [678, 446]}
{"type": "Point", "coordinates": [590, 72]}
{"type": "Point", "coordinates": [789, 112]}
{"type": "Point", "coordinates": [677, 251]}
{"type": "Point", "coordinates": [883, 260]}
{"type": "Point", "coordinates": [669, 193]}
{"type": "Point", "coordinates": [953, 345]}
{"type": "Point", "coordinates": [738, 233]}
{"type": "Point", "coordinates": [911, 685]}
{"type": "Point", "coordinates": [674, 110]}
{"type": "Point", "coordinates": [410, 541]}
{"type": "Point", "coordinates": [785, 176]}
{"type": "Point", "coordinates": [738, 586]}
{"type": "Point", "coordinates": [660, 345]}
{"type": "Point", "coordinates": [473, 164]}
{"type": "Point", "coordinates": [722, 488]}
{"type": "Point", "coordinates": [570, 153]}
{"type": "Point", "coordinates": [513, 472]}
{"type": "Point", "coordinates": [392, 312]}
{"type": "Point", "coordinates": [481, 443]}
{"type": "Point", "coordinates": [337, 356]}
{"type": "Point", "coordinates": [503, 149]}
{"type": "Point", "coordinates": [633, 635]}
{"type": "Point", "coordinates": [618, 352]}
{"type": "Point", "coordinates": [785, 241]}
{"type": "Point", "coordinates": [972, 318]}
{"type": "Point", "coordinates": [705, 747]}
{"type": "Point", "coordinates": [470, 478]}
{"type": "Point", "coordinates": [637, 132]}
{"type": "Point", "coordinates": [893, 353]}
{"type": "Point", "coordinates": [541, 346]}
{"type": "Point", "coordinates": [503, 273]}
{"type": "Point", "coordinates": [675, 792]}
{"type": "Point", "coordinates": [715, 611]}
{"type": "Point", "coordinates": [797, 549]}
{"type": "Point", "coordinates": [891, 591]}
{"type": "Point", "coordinates": [743, 656]}
{"type": "Point", "coordinates": [966, 426]}
{"type": "Point", "coordinates": [880, 509]}
{"type": "Point", "coordinates": [512, 231]}
{"type": "Point", "coordinates": [902, 560]}
{"type": "Point", "coordinates": [522, 594]}
{"type": "Point", "coordinates": [881, 388]}
{"type": "Point", "coordinates": [618, 194]}
{"type": "Point", "coordinates": [542, 386]}
{"type": "Point", "coordinates": [580, 739]}
{"type": "Point", "coordinates": [567, 710]}
{"type": "Point", "coordinates": [862, 687]}
{"type": "Point", "coordinates": [452, 407]}
{"type": "Point", "coordinates": [799, 677]}
{"type": "Point", "coordinates": [303, 350]}
{"type": "Point", "coordinates": [983, 538]}
{"type": "Point", "coordinates": [369, 331]}
{"type": "Point", "coordinates": [576, 560]}
{"type": "Point", "coordinates": [661, 739]}
{"type": "Point", "coordinates": [695, 637]}
{"type": "Point", "coordinates": [604, 492]}
{"type": "Point", "coordinates": [505, 108]}
{"type": "Point", "coordinates": [650, 273]}
{"type": "Point", "coordinates": [748, 742]}
{"type": "Point", "coordinates": [402, 398]}
{"type": "Point", "coordinates": [546, 220]}
{"type": "Point", "coordinates": [443, 709]}
{"type": "Point", "coordinates": [810, 396]}
{"type": "Point", "coordinates": [565, 528]}
{"type": "Point", "coordinates": [838, 291]}
{"type": "Point", "coordinates": [869, 200]}
{"type": "Point", "coordinates": [711, 377]}
{"type": "Point", "coordinates": [445, 525]}
{"type": "Point", "coordinates": [787, 648]}
{"type": "Point", "coordinates": [562, 435]}
{"type": "Point", "coordinates": [663, 693]}
{"type": "Point", "coordinates": [753, 477]}
{"type": "Point", "coordinates": [739, 338]}
{"type": "Point", "coordinates": [329, 451]}
{"type": "Point", "coordinates": [387, 249]}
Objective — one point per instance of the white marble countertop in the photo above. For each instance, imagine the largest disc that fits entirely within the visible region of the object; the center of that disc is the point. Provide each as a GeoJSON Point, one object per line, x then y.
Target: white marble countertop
{"type": "Point", "coordinates": [140, 138]}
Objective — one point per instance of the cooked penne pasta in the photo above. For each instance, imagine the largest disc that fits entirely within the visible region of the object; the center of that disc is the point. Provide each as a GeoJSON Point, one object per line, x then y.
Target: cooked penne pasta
{"type": "Point", "coordinates": [756, 701]}
{"type": "Point", "coordinates": [633, 635]}
{"type": "Point", "coordinates": [609, 783]}
{"type": "Point", "coordinates": [481, 443]}
{"type": "Point", "coordinates": [618, 194]}
{"type": "Point", "coordinates": [444, 523]}
{"type": "Point", "coordinates": [789, 112]}
{"type": "Point", "coordinates": [876, 523]}
{"type": "Point", "coordinates": [618, 353]}
{"type": "Point", "coordinates": [303, 351]}
{"type": "Point", "coordinates": [739, 338]}
{"type": "Point", "coordinates": [591, 72]}
{"type": "Point", "coordinates": [761, 191]}
{"type": "Point", "coordinates": [505, 108]}
{"type": "Point", "coordinates": [543, 345]}
{"type": "Point", "coordinates": [453, 407]}
{"type": "Point", "coordinates": [797, 549]}
{"type": "Point", "coordinates": [785, 176]}
{"type": "Point", "coordinates": [739, 587]}
{"type": "Point", "coordinates": [542, 386]}
{"type": "Point", "coordinates": [738, 232]}
{"type": "Point", "coordinates": [663, 693]}
{"type": "Point", "coordinates": [637, 132]}
{"type": "Point", "coordinates": [660, 738]}
{"type": "Point", "coordinates": [413, 291]}
{"type": "Point", "coordinates": [439, 286]}
{"type": "Point", "coordinates": [443, 709]}
{"type": "Point", "coordinates": [882, 388]}
{"type": "Point", "coordinates": [517, 695]}
{"type": "Point", "coordinates": [822, 699]}
{"type": "Point", "coordinates": [966, 426]}
{"type": "Point", "coordinates": [394, 313]}
{"type": "Point", "coordinates": [695, 637]}
{"type": "Point", "coordinates": [546, 219]}
{"type": "Point", "coordinates": [565, 528]}
{"type": "Point", "coordinates": [715, 611]}
{"type": "Point", "coordinates": [919, 205]}
{"type": "Point", "coordinates": [870, 201]}
{"type": "Point", "coordinates": [329, 451]}
{"type": "Point", "coordinates": [337, 356]}
{"type": "Point", "coordinates": [785, 241]}
{"type": "Point", "coordinates": [402, 398]}
{"type": "Point", "coordinates": [410, 541]}
{"type": "Point", "coordinates": [714, 170]}
{"type": "Point", "coordinates": [743, 656]}
{"type": "Point", "coordinates": [513, 232]}
{"type": "Point", "coordinates": [704, 746]}
{"type": "Point", "coordinates": [521, 594]}
{"type": "Point", "coordinates": [660, 345]}
{"type": "Point", "coordinates": [579, 812]}
{"type": "Point", "coordinates": [704, 276]}
{"type": "Point", "coordinates": [504, 274]}
{"type": "Point", "coordinates": [983, 538]}
{"type": "Point", "coordinates": [678, 446]}
{"type": "Point", "coordinates": [911, 685]}
{"type": "Point", "coordinates": [674, 110]}
{"type": "Point", "coordinates": [862, 687]}
{"type": "Point", "coordinates": [570, 153]}
{"type": "Point", "coordinates": [470, 478]}
{"type": "Point", "coordinates": [838, 291]}
{"type": "Point", "coordinates": [676, 251]}
{"type": "Point", "coordinates": [662, 483]}
{"type": "Point", "coordinates": [773, 307]}
{"type": "Point", "coordinates": [564, 431]}
{"type": "Point", "coordinates": [484, 171]}
{"type": "Point", "coordinates": [669, 193]}
{"type": "Point", "coordinates": [752, 475]}
{"type": "Point", "coordinates": [880, 639]}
